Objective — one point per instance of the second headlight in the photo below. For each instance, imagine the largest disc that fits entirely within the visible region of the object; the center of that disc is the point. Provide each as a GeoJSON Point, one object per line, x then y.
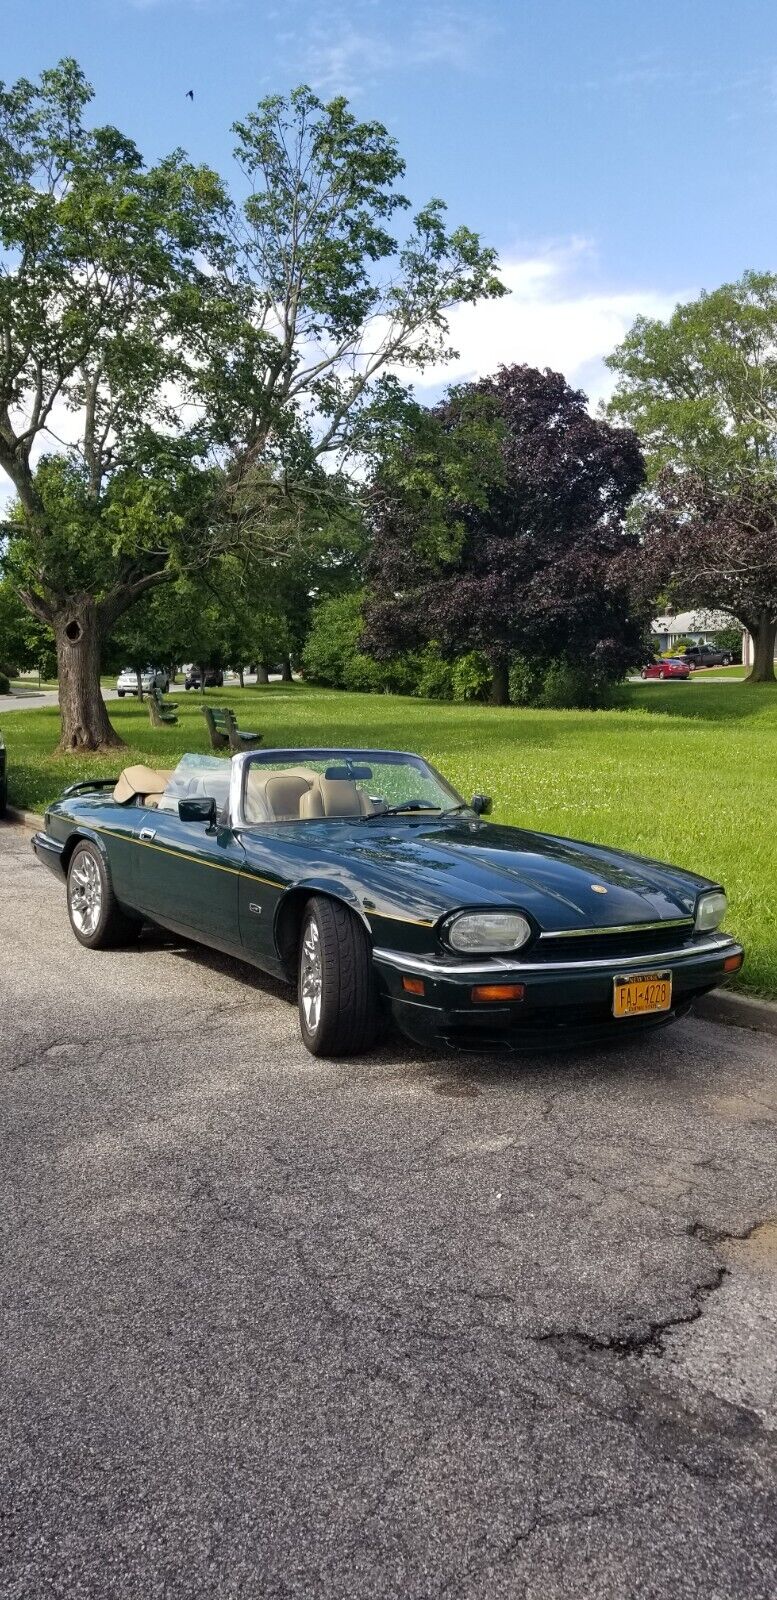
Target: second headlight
{"type": "Point", "coordinates": [487, 932]}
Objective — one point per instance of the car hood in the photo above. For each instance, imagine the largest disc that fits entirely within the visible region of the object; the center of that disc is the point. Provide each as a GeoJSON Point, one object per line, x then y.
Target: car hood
{"type": "Point", "coordinates": [434, 867]}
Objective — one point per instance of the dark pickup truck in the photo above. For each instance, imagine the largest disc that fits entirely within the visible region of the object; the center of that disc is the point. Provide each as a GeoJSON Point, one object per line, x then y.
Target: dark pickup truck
{"type": "Point", "coordinates": [708, 655]}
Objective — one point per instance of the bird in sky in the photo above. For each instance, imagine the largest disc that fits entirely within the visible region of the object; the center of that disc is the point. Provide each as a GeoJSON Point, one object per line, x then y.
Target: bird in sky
{"type": "Point", "coordinates": [189, 94]}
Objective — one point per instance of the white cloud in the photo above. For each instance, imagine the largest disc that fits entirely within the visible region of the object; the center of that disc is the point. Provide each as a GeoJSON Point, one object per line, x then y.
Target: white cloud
{"type": "Point", "coordinates": [342, 55]}
{"type": "Point", "coordinates": [552, 317]}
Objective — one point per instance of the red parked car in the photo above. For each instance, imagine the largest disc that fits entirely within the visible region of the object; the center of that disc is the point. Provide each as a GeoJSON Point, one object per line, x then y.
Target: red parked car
{"type": "Point", "coordinates": [672, 667]}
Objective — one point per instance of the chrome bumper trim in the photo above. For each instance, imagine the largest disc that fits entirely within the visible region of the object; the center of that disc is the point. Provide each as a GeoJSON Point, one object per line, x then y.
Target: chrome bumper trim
{"type": "Point", "coordinates": [431, 968]}
{"type": "Point", "coordinates": [623, 927]}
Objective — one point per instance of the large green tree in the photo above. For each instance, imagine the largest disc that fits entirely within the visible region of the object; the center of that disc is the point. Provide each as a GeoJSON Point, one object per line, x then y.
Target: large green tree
{"type": "Point", "coordinates": [701, 391]}
{"type": "Point", "coordinates": [154, 328]}
{"type": "Point", "coordinates": [100, 279]}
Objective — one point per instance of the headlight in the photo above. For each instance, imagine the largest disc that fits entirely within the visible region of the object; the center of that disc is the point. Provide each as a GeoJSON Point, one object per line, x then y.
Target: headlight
{"type": "Point", "coordinates": [711, 908]}
{"type": "Point", "coordinates": [487, 931]}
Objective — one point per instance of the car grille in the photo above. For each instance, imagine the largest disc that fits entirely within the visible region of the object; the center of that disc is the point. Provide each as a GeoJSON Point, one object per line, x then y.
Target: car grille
{"type": "Point", "coordinates": [636, 942]}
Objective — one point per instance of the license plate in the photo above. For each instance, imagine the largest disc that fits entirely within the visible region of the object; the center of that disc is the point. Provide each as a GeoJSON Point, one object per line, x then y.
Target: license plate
{"type": "Point", "coordinates": [640, 992]}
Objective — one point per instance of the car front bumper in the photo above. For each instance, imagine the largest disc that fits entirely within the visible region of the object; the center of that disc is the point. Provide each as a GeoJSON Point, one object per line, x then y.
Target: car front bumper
{"type": "Point", "coordinates": [565, 1002]}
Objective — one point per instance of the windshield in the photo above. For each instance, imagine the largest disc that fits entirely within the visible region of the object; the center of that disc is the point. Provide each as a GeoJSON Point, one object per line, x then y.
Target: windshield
{"type": "Point", "coordinates": [308, 785]}
{"type": "Point", "coordinates": [195, 775]}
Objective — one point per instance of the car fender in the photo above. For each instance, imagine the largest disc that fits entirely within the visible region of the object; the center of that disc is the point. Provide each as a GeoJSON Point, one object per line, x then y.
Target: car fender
{"type": "Point", "coordinates": [83, 834]}
{"type": "Point", "coordinates": [288, 911]}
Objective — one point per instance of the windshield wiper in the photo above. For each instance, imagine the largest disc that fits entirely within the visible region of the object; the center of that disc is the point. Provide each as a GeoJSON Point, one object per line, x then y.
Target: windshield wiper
{"type": "Point", "coordinates": [404, 805]}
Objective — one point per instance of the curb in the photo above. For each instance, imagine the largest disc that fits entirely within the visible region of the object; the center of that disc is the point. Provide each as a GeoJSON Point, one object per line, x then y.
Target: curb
{"type": "Point", "coordinates": [738, 1011]}
{"type": "Point", "coordinates": [30, 819]}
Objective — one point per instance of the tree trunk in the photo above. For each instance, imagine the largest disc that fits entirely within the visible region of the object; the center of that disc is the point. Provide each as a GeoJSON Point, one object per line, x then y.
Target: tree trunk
{"type": "Point", "coordinates": [84, 721]}
{"type": "Point", "coordinates": [763, 634]}
{"type": "Point", "coordinates": [241, 672]}
{"type": "Point", "coordinates": [500, 682]}
{"type": "Point", "coordinates": [140, 683]}
{"type": "Point", "coordinates": [286, 672]}
{"type": "Point", "coordinates": [262, 673]}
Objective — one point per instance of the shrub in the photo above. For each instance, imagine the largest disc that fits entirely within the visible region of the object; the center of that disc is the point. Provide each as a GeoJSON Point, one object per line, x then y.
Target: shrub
{"type": "Point", "coordinates": [730, 640]}
{"type": "Point", "coordinates": [470, 677]}
{"type": "Point", "coordinates": [5, 682]}
{"type": "Point", "coordinates": [572, 685]}
{"type": "Point", "coordinates": [333, 656]}
{"type": "Point", "coordinates": [560, 685]}
{"type": "Point", "coordinates": [526, 679]}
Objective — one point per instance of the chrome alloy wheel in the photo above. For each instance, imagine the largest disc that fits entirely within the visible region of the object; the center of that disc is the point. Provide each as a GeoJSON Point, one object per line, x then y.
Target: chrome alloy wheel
{"type": "Point", "coordinates": [311, 975]}
{"type": "Point", "coordinates": [85, 892]}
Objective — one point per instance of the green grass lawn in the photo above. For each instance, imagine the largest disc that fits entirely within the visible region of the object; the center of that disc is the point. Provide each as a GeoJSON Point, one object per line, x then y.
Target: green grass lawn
{"type": "Point", "coordinates": [682, 771]}
{"type": "Point", "coordinates": [712, 673]}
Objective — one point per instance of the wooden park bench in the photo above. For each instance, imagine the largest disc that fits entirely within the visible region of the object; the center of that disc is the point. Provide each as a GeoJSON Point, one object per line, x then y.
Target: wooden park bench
{"type": "Point", "coordinates": [224, 731]}
{"type": "Point", "coordinates": [162, 712]}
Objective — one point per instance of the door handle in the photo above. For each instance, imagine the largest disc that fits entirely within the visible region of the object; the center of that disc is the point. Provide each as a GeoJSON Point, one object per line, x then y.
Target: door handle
{"type": "Point", "coordinates": [147, 833]}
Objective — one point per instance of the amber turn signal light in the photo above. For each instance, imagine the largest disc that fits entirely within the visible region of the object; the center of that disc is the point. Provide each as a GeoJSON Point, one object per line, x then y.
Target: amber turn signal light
{"type": "Point", "coordinates": [732, 963]}
{"type": "Point", "coordinates": [498, 991]}
{"type": "Point", "coordinates": [413, 985]}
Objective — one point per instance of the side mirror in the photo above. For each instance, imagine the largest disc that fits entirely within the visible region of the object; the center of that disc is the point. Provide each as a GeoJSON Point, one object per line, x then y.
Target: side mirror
{"type": "Point", "coordinates": [481, 804]}
{"type": "Point", "coordinates": [198, 808]}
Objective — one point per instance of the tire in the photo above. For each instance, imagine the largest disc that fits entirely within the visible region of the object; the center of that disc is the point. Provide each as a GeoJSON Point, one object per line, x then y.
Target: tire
{"type": "Point", "coordinates": [334, 951]}
{"type": "Point", "coordinates": [643, 673]}
{"type": "Point", "coordinates": [95, 916]}
{"type": "Point", "coordinates": [120, 693]}
{"type": "Point", "coordinates": [662, 676]}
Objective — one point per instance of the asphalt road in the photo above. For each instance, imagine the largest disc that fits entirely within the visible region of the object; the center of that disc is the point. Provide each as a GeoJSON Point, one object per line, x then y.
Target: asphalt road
{"type": "Point", "coordinates": [410, 1326]}
{"type": "Point", "coordinates": [34, 699]}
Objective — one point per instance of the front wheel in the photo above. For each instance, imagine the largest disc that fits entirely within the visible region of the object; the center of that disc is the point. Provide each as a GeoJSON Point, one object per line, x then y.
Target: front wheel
{"type": "Point", "coordinates": [96, 917]}
{"type": "Point", "coordinates": [662, 676]}
{"type": "Point", "coordinates": [338, 1005]}
{"type": "Point", "coordinates": [120, 693]}
{"type": "Point", "coordinates": [643, 673]}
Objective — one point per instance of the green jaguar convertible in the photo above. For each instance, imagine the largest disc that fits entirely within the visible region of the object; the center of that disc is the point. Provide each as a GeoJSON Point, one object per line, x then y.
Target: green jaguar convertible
{"type": "Point", "coordinates": [362, 876]}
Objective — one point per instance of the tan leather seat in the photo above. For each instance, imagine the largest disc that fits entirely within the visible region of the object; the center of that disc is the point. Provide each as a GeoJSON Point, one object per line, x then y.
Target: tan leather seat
{"type": "Point", "coordinates": [335, 797]}
{"type": "Point", "coordinates": [142, 781]}
{"type": "Point", "coordinates": [277, 796]}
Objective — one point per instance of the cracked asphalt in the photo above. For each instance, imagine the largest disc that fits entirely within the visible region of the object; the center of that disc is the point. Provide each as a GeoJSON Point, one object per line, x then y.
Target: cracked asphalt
{"type": "Point", "coordinates": [406, 1326]}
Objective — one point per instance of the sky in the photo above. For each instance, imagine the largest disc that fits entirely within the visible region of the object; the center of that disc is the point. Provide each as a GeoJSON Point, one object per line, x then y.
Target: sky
{"type": "Point", "coordinates": [619, 154]}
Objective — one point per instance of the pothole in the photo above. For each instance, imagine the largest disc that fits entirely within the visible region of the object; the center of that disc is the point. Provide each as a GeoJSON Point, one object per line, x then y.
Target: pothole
{"type": "Point", "coordinates": [731, 1350]}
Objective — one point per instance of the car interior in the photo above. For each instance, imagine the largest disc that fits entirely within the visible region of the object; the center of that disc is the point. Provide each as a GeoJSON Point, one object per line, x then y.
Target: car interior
{"type": "Point", "coordinates": [299, 794]}
{"type": "Point", "coordinates": [295, 794]}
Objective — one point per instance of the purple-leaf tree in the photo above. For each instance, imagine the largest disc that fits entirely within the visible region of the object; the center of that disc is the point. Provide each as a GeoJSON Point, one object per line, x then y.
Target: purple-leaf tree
{"type": "Point", "coordinates": [499, 524]}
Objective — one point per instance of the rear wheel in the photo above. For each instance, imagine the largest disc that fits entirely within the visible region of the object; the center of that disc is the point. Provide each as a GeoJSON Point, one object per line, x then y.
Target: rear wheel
{"type": "Point", "coordinates": [96, 918]}
{"type": "Point", "coordinates": [338, 1005]}
{"type": "Point", "coordinates": [643, 673]}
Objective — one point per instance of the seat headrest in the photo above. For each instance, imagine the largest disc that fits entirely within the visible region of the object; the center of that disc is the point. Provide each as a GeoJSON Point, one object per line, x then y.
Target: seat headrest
{"type": "Point", "coordinates": [140, 780]}
{"type": "Point", "coordinates": [276, 796]}
{"type": "Point", "coordinates": [341, 797]}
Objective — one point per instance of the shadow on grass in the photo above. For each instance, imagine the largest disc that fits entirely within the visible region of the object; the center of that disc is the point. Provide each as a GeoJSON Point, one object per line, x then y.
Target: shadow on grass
{"type": "Point", "coordinates": [699, 703]}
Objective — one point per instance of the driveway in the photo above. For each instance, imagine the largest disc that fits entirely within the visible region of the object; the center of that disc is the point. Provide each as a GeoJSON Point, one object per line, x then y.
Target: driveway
{"type": "Point", "coordinates": [405, 1326]}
